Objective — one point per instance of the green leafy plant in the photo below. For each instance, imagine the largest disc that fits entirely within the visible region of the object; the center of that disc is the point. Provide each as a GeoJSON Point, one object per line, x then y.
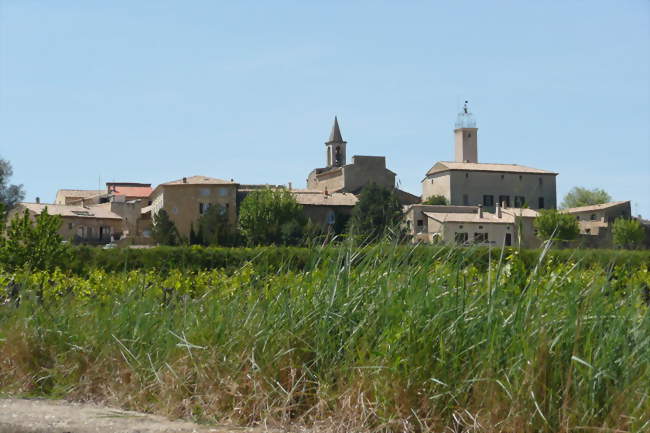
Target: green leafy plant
{"type": "Point", "coordinates": [34, 243]}
{"type": "Point", "coordinates": [271, 216]}
{"type": "Point", "coordinates": [579, 196]}
{"type": "Point", "coordinates": [628, 233]}
{"type": "Point", "coordinates": [164, 230]}
{"type": "Point", "coordinates": [554, 225]}
{"type": "Point", "coordinates": [377, 213]}
{"type": "Point", "coordinates": [436, 200]}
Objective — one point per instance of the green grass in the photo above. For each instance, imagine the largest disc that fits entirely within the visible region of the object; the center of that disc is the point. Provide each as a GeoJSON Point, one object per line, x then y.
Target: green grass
{"type": "Point", "coordinates": [381, 339]}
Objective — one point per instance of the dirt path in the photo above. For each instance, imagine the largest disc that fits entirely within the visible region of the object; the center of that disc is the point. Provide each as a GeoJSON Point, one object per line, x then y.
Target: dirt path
{"type": "Point", "coordinates": [55, 416]}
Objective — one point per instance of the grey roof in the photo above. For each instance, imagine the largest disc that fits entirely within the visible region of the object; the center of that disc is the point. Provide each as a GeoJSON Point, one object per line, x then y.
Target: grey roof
{"type": "Point", "coordinates": [335, 135]}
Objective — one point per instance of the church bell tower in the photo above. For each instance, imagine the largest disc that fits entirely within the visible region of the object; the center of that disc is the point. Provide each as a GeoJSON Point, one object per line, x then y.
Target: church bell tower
{"type": "Point", "coordinates": [466, 148]}
{"type": "Point", "coordinates": [335, 147]}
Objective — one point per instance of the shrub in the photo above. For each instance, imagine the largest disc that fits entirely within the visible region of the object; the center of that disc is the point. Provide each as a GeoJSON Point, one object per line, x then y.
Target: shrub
{"type": "Point", "coordinates": [553, 225]}
{"type": "Point", "coordinates": [628, 233]}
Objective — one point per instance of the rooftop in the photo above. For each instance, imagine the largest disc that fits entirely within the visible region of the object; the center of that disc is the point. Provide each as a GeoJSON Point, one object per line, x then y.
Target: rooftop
{"type": "Point", "coordinates": [443, 166]}
{"type": "Point", "coordinates": [94, 211]}
{"type": "Point", "coordinates": [470, 217]}
{"type": "Point", "coordinates": [595, 207]}
{"type": "Point", "coordinates": [200, 180]}
{"type": "Point", "coordinates": [311, 197]}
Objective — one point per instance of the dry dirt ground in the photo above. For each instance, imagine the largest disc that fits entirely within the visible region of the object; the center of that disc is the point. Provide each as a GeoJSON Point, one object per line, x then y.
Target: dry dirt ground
{"type": "Point", "coordinates": [54, 416]}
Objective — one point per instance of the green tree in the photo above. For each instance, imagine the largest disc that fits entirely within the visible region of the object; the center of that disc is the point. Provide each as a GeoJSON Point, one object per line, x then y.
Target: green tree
{"type": "Point", "coordinates": [377, 212]}
{"type": "Point", "coordinates": [9, 194]}
{"type": "Point", "coordinates": [436, 199]}
{"type": "Point", "coordinates": [628, 233]}
{"type": "Point", "coordinates": [213, 228]}
{"type": "Point", "coordinates": [34, 243]}
{"type": "Point", "coordinates": [551, 224]}
{"type": "Point", "coordinates": [164, 230]}
{"type": "Point", "coordinates": [579, 196]}
{"type": "Point", "coordinates": [271, 216]}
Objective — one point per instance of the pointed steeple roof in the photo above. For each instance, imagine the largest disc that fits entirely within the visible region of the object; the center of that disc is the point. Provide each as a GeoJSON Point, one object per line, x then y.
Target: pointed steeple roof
{"type": "Point", "coordinates": [335, 135]}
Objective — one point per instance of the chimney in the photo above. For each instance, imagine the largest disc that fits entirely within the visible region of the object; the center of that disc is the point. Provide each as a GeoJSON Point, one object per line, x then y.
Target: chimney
{"type": "Point", "coordinates": [184, 180]}
{"type": "Point", "coordinates": [326, 193]}
{"type": "Point", "coordinates": [38, 200]}
{"type": "Point", "coordinates": [480, 211]}
{"type": "Point", "coordinates": [498, 211]}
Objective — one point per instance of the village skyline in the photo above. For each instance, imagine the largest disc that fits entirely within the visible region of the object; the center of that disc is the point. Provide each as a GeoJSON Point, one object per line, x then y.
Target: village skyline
{"type": "Point", "coordinates": [226, 91]}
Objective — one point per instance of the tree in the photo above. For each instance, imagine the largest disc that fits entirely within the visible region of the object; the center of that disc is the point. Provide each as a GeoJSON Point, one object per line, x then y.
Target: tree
{"type": "Point", "coordinates": [377, 211]}
{"type": "Point", "coordinates": [271, 216]}
{"type": "Point", "coordinates": [436, 199]}
{"type": "Point", "coordinates": [164, 230]}
{"type": "Point", "coordinates": [35, 243]}
{"type": "Point", "coordinates": [579, 196]}
{"type": "Point", "coordinates": [628, 233]}
{"type": "Point", "coordinates": [213, 228]}
{"type": "Point", "coordinates": [551, 224]}
{"type": "Point", "coordinates": [9, 194]}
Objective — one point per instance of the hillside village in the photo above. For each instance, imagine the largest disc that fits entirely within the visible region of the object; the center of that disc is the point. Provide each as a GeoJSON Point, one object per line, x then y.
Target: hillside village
{"type": "Point", "coordinates": [488, 203]}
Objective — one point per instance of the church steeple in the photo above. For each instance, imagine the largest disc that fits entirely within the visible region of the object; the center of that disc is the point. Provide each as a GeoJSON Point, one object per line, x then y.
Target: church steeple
{"type": "Point", "coordinates": [335, 147]}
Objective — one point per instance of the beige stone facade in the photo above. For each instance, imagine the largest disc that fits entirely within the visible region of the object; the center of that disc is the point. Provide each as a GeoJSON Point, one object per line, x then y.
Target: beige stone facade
{"type": "Point", "coordinates": [186, 199]}
{"type": "Point", "coordinates": [471, 184]}
{"type": "Point", "coordinates": [96, 224]}
{"type": "Point", "coordinates": [595, 222]}
{"type": "Point", "coordinates": [471, 225]}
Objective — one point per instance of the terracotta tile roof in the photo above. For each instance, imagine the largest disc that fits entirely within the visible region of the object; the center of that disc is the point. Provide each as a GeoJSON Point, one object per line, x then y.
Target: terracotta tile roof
{"type": "Point", "coordinates": [319, 198]}
{"type": "Point", "coordinates": [488, 218]}
{"type": "Point", "coordinates": [595, 207]}
{"type": "Point", "coordinates": [102, 211]}
{"type": "Point", "coordinates": [200, 180]}
{"type": "Point", "coordinates": [478, 166]}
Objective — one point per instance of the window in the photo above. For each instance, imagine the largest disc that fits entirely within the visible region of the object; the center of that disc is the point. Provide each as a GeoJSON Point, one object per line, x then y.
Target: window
{"type": "Point", "coordinates": [480, 227]}
{"type": "Point", "coordinates": [465, 200]}
{"type": "Point", "coordinates": [175, 210]}
{"type": "Point", "coordinates": [488, 200]}
{"type": "Point", "coordinates": [420, 223]}
{"type": "Point", "coordinates": [69, 226]}
{"type": "Point", "coordinates": [466, 175]}
{"type": "Point", "coordinates": [521, 177]}
{"type": "Point", "coordinates": [222, 210]}
{"type": "Point", "coordinates": [540, 203]}
{"type": "Point", "coordinates": [460, 237]}
{"type": "Point", "coordinates": [502, 177]}
{"type": "Point", "coordinates": [593, 217]}
{"type": "Point", "coordinates": [331, 217]}
{"type": "Point", "coordinates": [205, 192]}
{"type": "Point", "coordinates": [541, 181]}
{"type": "Point", "coordinates": [520, 201]}
{"type": "Point", "coordinates": [504, 200]}
{"type": "Point", "coordinates": [480, 237]}
{"type": "Point", "coordinates": [203, 208]}
{"type": "Point", "coordinates": [588, 231]}
{"type": "Point", "coordinates": [223, 192]}
{"type": "Point", "coordinates": [460, 226]}
{"type": "Point", "coordinates": [508, 240]}
{"type": "Point", "coordinates": [578, 217]}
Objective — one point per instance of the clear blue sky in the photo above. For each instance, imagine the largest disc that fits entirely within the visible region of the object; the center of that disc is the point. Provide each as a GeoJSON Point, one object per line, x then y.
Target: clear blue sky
{"type": "Point", "coordinates": [152, 91]}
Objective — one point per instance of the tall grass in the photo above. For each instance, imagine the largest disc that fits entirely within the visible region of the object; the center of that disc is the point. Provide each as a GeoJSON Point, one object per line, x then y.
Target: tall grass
{"type": "Point", "coordinates": [355, 342]}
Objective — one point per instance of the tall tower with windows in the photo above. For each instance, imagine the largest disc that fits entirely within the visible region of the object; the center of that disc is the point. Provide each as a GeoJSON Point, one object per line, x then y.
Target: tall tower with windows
{"type": "Point", "coordinates": [335, 147]}
{"type": "Point", "coordinates": [466, 136]}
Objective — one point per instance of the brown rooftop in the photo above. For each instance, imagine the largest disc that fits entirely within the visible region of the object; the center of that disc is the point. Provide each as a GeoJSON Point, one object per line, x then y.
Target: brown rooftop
{"type": "Point", "coordinates": [594, 207]}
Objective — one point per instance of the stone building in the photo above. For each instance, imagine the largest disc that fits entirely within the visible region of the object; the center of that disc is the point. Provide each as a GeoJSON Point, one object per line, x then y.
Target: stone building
{"type": "Point", "coordinates": [339, 176]}
{"type": "Point", "coordinates": [595, 222]}
{"type": "Point", "coordinates": [95, 224]}
{"type": "Point", "coordinates": [471, 225]}
{"type": "Point", "coordinates": [466, 182]}
{"type": "Point", "coordinates": [186, 199]}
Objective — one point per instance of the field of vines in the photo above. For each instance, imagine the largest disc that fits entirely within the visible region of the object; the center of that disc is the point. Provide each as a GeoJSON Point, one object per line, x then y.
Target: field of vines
{"type": "Point", "coordinates": [372, 341]}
